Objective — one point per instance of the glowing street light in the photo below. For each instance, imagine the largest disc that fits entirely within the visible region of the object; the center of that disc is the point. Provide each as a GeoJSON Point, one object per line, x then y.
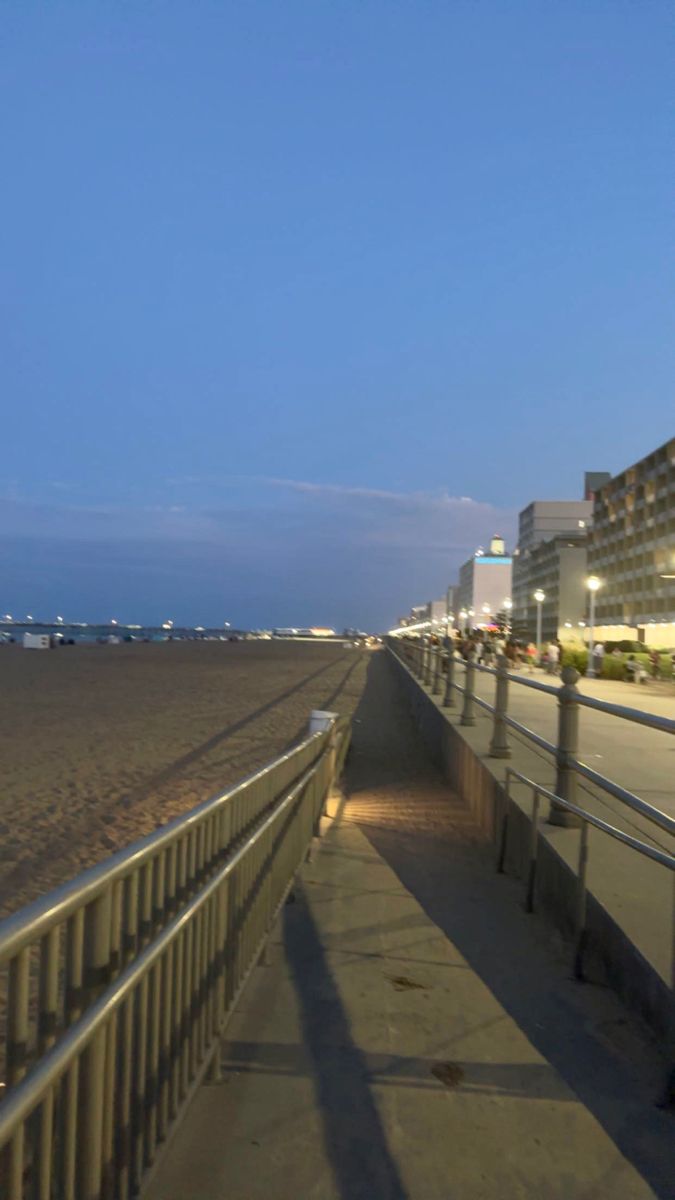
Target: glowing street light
{"type": "Point", "coordinates": [463, 614]}
{"type": "Point", "coordinates": [592, 583]}
{"type": "Point", "coordinates": [508, 606]}
{"type": "Point", "coordinates": [113, 621]}
{"type": "Point", "coordinates": [59, 620]}
{"type": "Point", "coordinates": [539, 596]}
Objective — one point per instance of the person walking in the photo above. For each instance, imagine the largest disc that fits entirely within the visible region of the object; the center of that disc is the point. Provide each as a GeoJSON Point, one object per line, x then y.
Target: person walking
{"type": "Point", "coordinates": [553, 658]}
{"type": "Point", "coordinates": [598, 658]}
{"type": "Point", "coordinates": [531, 653]}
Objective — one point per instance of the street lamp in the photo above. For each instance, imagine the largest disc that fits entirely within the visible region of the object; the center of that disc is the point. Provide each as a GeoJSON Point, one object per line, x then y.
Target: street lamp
{"type": "Point", "coordinates": [463, 614]}
{"type": "Point", "coordinates": [508, 605]}
{"type": "Point", "coordinates": [539, 596]}
{"type": "Point", "coordinates": [592, 583]}
{"type": "Point", "coordinates": [472, 613]}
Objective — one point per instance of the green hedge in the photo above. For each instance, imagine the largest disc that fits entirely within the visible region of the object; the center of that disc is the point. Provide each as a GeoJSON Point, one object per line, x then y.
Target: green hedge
{"type": "Point", "coordinates": [615, 668]}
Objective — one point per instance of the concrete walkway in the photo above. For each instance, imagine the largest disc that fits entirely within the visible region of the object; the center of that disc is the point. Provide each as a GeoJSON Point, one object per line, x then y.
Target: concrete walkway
{"type": "Point", "coordinates": [415, 1036]}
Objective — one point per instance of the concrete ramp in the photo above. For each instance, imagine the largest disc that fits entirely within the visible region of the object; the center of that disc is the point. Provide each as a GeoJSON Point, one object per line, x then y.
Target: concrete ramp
{"type": "Point", "coordinates": [414, 1034]}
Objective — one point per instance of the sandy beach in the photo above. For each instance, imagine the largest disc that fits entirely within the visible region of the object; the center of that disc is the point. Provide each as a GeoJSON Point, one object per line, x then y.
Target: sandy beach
{"type": "Point", "coordinates": [101, 744]}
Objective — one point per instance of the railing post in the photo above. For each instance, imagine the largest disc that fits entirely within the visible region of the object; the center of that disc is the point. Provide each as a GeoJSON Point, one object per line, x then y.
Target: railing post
{"type": "Point", "coordinates": [436, 687]}
{"type": "Point", "coordinates": [427, 664]}
{"type": "Point", "coordinates": [467, 717]}
{"type": "Point", "coordinates": [568, 745]}
{"type": "Point", "coordinates": [499, 746]}
{"type": "Point", "coordinates": [449, 697]}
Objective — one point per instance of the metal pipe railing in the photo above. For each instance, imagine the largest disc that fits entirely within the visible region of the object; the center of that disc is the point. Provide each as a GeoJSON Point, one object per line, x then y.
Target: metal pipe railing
{"type": "Point", "coordinates": [586, 819]}
{"type": "Point", "coordinates": [565, 752]}
{"type": "Point", "coordinates": [121, 981]}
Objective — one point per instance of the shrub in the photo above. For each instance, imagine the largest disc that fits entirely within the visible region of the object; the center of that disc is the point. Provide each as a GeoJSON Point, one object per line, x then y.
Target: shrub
{"type": "Point", "coordinates": [575, 658]}
{"type": "Point", "coordinates": [613, 668]}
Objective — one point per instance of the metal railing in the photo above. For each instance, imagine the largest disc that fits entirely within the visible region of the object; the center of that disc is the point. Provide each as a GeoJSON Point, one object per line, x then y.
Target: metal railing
{"type": "Point", "coordinates": [119, 983]}
{"type": "Point", "coordinates": [586, 819]}
{"type": "Point", "coordinates": [430, 663]}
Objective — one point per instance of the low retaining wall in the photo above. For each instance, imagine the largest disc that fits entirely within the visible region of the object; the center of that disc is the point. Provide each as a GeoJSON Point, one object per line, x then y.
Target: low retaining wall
{"type": "Point", "coordinates": [608, 953]}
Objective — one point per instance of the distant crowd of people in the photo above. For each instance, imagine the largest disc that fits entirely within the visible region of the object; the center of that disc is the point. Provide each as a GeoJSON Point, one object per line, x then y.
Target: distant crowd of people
{"type": "Point", "coordinates": [486, 646]}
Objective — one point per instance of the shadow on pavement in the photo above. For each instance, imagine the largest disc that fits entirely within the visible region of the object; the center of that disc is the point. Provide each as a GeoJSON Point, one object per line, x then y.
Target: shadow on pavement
{"type": "Point", "coordinates": [581, 1030]}
{"type": "Point", "coordinates": [354, 1138]}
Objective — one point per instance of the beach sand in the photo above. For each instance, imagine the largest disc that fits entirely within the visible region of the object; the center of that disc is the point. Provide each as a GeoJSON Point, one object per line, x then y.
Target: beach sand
{"type": "Point", "coordinates": [101, 744]}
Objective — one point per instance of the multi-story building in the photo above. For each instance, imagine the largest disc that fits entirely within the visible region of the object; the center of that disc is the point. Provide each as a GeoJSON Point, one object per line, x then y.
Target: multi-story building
{"type": "Point", "coordinates": [551, 557]}
{"type": "Point", "coordinates": [632, 550]}
{"type": "Point", "coordinates": [484, 585]}
{"type": "Point", "coordinates": [556, 567]}
{"type": "Point", "coordinates": [544, 519]}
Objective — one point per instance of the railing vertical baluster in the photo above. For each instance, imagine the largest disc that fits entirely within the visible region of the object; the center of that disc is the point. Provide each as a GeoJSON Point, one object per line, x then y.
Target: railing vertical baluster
{"type": "Point", "coordinates": [97, 924]}
{"type": "Point", "coordinates": [534, 840]}
{"type": "Point", "coordinates": [70, 1086]}
{"type": "Point", "coordinates": [50, 946]}
{"type": "Point", "coordinates": [16, 1058]}
{"type": "Point", "coordinates": [504, 828]}
{"type": "Point", "coordinates": [580, 921]}
{"type": "Point", "coordinates": [152, 1095]}
{"type": "Point", "coordinates": [168, 998]}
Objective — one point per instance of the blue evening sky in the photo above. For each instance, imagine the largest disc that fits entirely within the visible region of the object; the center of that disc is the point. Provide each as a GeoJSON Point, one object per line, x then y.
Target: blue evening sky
{"type": "Point", "coordinates": [302, 301]}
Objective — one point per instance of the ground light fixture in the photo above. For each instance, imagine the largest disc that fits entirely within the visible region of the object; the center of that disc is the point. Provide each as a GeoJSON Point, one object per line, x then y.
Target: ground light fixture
{"type": "Point", "coordinates": [592, 583]}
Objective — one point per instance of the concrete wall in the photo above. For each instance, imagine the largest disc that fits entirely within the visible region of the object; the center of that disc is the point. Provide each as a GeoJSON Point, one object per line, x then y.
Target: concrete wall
{"type": "Point", "coordinates": [610, 956]}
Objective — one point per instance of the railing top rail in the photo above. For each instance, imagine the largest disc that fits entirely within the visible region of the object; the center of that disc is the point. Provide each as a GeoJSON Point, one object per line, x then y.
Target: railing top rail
{"type": "Point", "coordinates": [659, 856]}
{"type": "Point", "coordinates": [638, 715]}
{"type": "Point", "coordinates": [29, 923]}
{"type": "Point", "coordinates": [625, 712]}
{"type": "Point", "coordinates": [24, 1096]}
{"type": "Point", "coordinates": [649, 811]}
{"type": "Point", "coordinates": [635, 803]}
{"type": "Point", "coordinates": [530, 734]}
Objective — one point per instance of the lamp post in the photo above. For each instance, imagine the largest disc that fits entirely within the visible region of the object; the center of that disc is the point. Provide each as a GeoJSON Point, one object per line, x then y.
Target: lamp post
{"type": "Point", "coordinates": [539, 596]}
{"type": "Point", "coordinates": [592, 583]}
{"type": "Point", "coordinates": [508, 605]}
{"type": "Point", "coordinates": [471, 614]}
{"type": "Point", "coordinates": [463, 616]}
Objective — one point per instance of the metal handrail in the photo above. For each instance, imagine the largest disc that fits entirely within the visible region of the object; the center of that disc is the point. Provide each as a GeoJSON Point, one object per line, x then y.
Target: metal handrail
{"type": "Point", "coordinates": [659, 856]}
{"type": "Point", "coordinates": [652, 720]}
{"type": "Point", "coordinates": [23, 1099]}
{"type": "Point", "coordinates": [567, 762]}
{"type": "Point", "coordinates": [649, 811]}
{"type": "Point", "coordinates": [585, 818]}
{"type": "Point", "coordinates": [120, 982]}
{"type": "Point", "coordinates": [31, 922]}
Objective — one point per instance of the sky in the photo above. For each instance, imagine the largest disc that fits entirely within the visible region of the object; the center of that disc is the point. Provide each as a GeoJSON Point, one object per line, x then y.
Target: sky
{"type": "Point", "coordinates": [301, 302]}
